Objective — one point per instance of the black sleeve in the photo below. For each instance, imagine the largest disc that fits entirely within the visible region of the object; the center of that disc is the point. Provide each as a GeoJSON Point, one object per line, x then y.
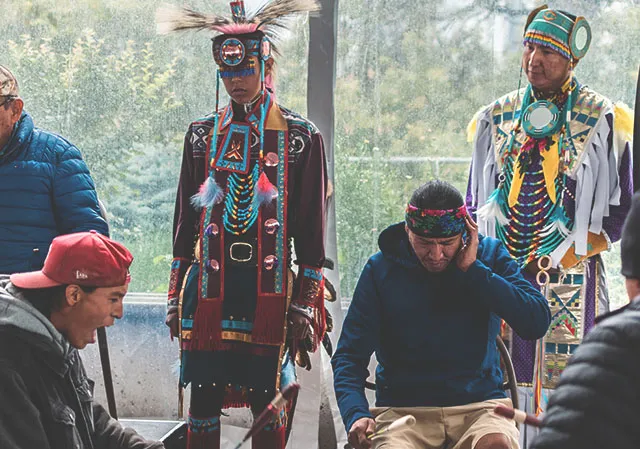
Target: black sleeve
{"type": "Point", "coordinates": [20, 423]}
{"type": "Point", "coordinates": [596, 402]}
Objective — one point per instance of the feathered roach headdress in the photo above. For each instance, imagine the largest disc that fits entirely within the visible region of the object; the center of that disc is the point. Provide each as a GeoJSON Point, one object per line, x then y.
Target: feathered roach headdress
{"type": "Point", "coordinates": [242, 35]}
{"type": "Point", "coordinates": [269, 17]}
{"type": "Point", "coordinates": [257, 33]}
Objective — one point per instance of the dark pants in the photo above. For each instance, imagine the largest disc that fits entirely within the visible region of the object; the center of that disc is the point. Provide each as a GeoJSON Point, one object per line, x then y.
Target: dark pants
{"type": "Point", "coordinates": [204, 419]}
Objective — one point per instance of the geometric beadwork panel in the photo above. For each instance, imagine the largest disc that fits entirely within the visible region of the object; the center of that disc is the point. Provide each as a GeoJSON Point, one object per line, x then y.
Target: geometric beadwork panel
{"type": "Point", "coordinates": [567, 324]}
{"type": "Point", "coordinates": [554, 365]}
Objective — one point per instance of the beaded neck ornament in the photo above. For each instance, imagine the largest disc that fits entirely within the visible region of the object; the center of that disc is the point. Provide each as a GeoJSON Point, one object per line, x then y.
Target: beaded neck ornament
{"type": "Point", "coordinates": [435, 223]}
{"type": "Point", "coordinates": [529, 204]}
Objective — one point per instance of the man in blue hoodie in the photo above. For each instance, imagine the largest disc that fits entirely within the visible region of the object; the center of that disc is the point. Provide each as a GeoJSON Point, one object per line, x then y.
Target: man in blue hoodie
{"type": "Point", "coordinates": [45, 186]}
{"type": "Point", "coordinates": [430, 306]}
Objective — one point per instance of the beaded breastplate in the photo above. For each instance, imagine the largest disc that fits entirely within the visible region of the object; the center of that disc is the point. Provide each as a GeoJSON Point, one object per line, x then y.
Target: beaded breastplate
{"type": "Point", "coordinates": [533, 193]}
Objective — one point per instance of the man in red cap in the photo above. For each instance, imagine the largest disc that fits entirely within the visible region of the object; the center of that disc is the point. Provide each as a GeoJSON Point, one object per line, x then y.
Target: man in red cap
{"type": "Point", "coordinates": [45, 317]}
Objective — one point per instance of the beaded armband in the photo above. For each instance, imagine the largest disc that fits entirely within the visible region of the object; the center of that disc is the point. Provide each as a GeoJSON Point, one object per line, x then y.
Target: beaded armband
{"type": "Point", "coordinates": [310, 287]}
{"type": "Point", "coordinates": [179, 268]}
{"type": "Point", "coordinates": [308, 299]}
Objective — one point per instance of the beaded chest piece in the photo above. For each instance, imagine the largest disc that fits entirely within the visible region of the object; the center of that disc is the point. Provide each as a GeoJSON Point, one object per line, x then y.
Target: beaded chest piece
{"type": "Point", "coordinates": [533, 202]}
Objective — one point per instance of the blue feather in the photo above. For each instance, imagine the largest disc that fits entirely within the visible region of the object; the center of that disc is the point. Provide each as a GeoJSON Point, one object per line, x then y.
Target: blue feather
{"type": "Point", "coordinates": [209, 195]}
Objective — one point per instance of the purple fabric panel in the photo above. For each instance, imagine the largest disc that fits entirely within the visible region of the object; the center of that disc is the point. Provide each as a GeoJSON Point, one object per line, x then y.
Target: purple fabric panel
{"type": "Point", "coordinates": [523, 357]}
{"type": "Point", "coordinates": [523, 351]}
{"type": "Point", "coordinates": [590, 294]}
{"type": "Point", "coordinates": [569, 201]}
{"type": "Point", "coordinates": [613, 223]}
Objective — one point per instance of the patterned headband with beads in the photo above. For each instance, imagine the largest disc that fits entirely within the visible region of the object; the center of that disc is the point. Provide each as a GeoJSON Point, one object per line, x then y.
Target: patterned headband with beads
{"type": "Point", "coordinates": [435, 223]}
{"type": "Point", "coordinates": [554, 29]}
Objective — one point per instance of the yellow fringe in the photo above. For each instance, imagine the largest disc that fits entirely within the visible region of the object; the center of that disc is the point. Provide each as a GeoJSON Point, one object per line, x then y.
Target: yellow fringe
{"type": "Point", "coordinates": [516, 185]}
{"type": "Point", "coordinates": [623, 121]}
{"type": "Point", "coordinates": [472, 127]}
{"type": "Point", "coordinates": [550, 165]}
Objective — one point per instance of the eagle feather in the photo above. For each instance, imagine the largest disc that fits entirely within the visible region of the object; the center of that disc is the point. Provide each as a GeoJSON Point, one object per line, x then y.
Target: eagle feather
{"type": "Point", "coordinates": [171, 18]}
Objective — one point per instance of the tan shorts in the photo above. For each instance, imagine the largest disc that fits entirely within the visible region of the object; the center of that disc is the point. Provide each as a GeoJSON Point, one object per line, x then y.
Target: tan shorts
{"type": "Point", "coordinates": [458, 427]}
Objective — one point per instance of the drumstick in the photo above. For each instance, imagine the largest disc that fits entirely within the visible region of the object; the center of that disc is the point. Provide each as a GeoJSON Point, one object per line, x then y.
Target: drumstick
{"type": "Point", "coordinates": [517, 415]}
{"type": "Point", "coordinates": [398, 424]}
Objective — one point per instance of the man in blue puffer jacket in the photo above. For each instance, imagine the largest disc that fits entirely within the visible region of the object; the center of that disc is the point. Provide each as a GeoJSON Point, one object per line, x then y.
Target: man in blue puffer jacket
{"type": "Point", "coordinates": [45, 186]}
{"type": "Point", "coordinates": [430, 306]}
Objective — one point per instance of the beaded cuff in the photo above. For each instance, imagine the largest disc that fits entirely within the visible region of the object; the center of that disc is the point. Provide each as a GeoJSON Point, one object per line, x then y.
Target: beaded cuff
{"type": "Point", "coordinates": [308, 299]}
{"type": "Point", "coordinates": [179, 268]}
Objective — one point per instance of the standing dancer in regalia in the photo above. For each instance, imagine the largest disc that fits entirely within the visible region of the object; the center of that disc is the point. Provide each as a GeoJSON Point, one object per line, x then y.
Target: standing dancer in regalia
{"type": "Point", "coordinates": [551, 177]}
{"type": "Point", "coordinates": [253, 180]}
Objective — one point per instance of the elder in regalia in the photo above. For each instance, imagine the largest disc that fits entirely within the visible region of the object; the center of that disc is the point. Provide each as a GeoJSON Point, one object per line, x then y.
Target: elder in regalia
{"type": "Point", "coordinates": [551, 177]}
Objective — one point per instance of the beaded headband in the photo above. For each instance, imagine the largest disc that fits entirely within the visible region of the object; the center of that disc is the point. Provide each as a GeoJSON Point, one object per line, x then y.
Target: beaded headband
{"type": "Point", "coordinates": [436, 223]}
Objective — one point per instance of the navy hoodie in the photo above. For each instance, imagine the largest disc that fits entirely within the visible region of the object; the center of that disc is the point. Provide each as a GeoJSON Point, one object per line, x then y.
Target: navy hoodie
{"type": "Point", "coordinates": [433, 333]}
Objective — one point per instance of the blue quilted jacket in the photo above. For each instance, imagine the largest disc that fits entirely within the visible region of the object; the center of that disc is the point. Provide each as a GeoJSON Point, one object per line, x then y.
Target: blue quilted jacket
{"type": "Point", "coordinates": [45, 190]}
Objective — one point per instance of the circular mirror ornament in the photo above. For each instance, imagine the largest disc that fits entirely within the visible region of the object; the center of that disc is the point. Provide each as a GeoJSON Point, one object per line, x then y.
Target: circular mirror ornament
{"type": "Point", "coordinates": [271, 159]}
{"type": "Point", "coordinates": [540, 118]}
{"type": "Point", "coordinates": [270, 262]}
{"type": "Point", "coordinates": [271, 226]}
{"type": "Point", "coordinates": [212, 230]}
{"type": "Point", "coordinates": [232, 52]}
{"type": "Point", "coordinates": [580, 38]}
{"type": "Point", "coordinates": [213, 266]}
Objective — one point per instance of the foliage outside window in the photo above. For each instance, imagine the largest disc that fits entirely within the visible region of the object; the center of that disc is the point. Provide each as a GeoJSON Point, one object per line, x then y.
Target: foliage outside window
{"type": "Point", "coordinates": [410, 77]}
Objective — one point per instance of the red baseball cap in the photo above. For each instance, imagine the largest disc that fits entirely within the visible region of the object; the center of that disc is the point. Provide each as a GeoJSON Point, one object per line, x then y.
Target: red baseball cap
{"type": "Point", "coordinates": [84, 258]}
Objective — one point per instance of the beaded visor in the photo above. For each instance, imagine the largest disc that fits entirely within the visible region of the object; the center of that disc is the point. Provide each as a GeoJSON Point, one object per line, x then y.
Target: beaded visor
{"type": "Point", "coordinates": [434, 223]}
{"type": "Point", "coordinates": [232, 52]}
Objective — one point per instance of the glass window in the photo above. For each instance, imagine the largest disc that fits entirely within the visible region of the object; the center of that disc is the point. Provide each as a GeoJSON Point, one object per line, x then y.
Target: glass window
{"type": "Point", "coordinates": [410, 76]}
{"type": "Point", "coordinates": [97, 73]}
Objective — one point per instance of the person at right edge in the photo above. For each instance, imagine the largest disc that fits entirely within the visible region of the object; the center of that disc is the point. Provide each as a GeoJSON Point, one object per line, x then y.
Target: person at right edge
{"type": "Point", "coordinates": [596, 402]}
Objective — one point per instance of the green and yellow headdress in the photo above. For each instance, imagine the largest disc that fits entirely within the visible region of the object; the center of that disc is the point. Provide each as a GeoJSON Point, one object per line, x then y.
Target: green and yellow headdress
{"type": "Point", "coordinates": [560, 31]}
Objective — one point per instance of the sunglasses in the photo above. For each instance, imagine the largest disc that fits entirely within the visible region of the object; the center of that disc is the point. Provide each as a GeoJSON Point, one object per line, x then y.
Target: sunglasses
{"type": "Point", "coordinates": [9, 99]}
